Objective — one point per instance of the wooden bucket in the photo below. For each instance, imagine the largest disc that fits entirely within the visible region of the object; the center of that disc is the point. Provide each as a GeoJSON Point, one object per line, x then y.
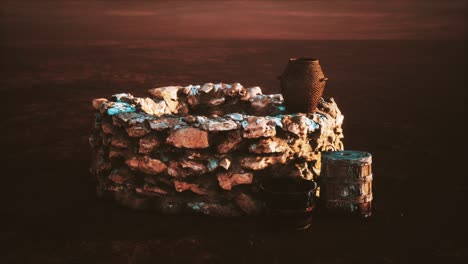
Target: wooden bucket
{"type": "Point", "coordinates": [346, 182]}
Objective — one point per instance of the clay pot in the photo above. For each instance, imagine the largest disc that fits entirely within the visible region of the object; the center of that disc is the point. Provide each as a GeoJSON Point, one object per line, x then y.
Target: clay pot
{"type": "Point", "coordinates": [302, 84]}
{"type": "Point", "coordinates": [289, 202]}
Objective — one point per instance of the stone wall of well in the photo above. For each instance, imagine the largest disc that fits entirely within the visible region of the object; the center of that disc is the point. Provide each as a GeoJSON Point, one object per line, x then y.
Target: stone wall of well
{"type": "Point", "coordinates": [205, 148]}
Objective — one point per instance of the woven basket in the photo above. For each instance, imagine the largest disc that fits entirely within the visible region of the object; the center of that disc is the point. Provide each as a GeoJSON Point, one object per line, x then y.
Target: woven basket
{"type": "Point", "coordinates": [302, 84]}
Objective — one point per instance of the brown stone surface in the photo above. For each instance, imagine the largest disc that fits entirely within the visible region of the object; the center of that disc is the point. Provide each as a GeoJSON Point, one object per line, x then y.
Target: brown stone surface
{"type": "Point", "coordinates": [230, 142]}
{"type": "Point", "coordinates": [188, 137]}
{"type": "Point", "coordinates": [217, 124]}
{"type": "Point", "coordinates": [146, 164]}
{"type": "Point", "coordinates": [262, 162]}
{"type": "Point", "coordinates": [120, 141]}
{"type": "Point", "coordinates": [185, 168]}
{"type": "Point", "coordinates": [115, 152]}
{"type": "Point", "coordinates": [251, 92]}
{"type": "Point", "coordinates": [181, 186]}
{"type": "Point", "coordinates": [255, 127]}
{"type": "Point", "coordinates": [108, 128]}
{"type": "Point", "coordinates": [152, 190]}
{"type": "Point", "coordinates": [164, 123]}
{"type": "Point", "coordinates": [148, 143]}
{"type": "Point", "coordinates": [269, 145]}
{"type": "Point", "coordinates": [98, 102]}
{"type": "Point", "coordinates": [138, 130]}
{"type": "Point", "coordinates": [225, 163]}
{"type": "Point", "coordinates": [152, 107]}
{"type": "Point", "coordinates": [121, 175]}
{"type": "Point", "coordinates": [227, 179]}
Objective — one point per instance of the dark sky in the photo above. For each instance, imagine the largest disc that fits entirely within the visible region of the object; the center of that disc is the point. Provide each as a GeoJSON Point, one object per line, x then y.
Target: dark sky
{"type": "Point", "coordinates": [142, 20]}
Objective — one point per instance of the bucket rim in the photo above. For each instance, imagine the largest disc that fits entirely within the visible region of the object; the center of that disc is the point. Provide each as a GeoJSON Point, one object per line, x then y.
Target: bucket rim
{"type": "Point", "coordinates": [312, 186]}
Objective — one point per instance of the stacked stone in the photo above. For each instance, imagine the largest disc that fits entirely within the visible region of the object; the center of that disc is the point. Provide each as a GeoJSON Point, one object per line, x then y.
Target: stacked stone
{"type": "Point", "coordinates": [205, 148]}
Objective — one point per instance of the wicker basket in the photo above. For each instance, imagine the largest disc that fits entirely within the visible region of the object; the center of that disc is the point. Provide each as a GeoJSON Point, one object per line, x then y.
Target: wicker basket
{"type": "Point", "coordinates": [302, 84]}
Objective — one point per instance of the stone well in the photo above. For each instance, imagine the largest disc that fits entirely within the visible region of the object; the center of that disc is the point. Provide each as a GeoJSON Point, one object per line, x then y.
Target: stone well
{"type": "Point", "coordinates": [205, 149]}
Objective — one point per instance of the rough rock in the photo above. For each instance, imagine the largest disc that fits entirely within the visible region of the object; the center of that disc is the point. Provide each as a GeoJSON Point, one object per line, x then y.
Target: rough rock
{"type": "Point", "coordinates": [115, 152]}
{"type": "Point", "coordinates": [181, 186]}
{"type": "Point", "coordinates": [121, 175]}
{"type": "Point", "coordinates": [251, 92]}
{"type": "Point", "coordinates": [148, 144]}
{"type": "Point", "coordinates": [166, 123]}
{"type": "Point", "coordinates": [152, 190]}
{"type": "Point", "coordinates": [120, 141]}
{"type": "Point", "coordinates": [95, 140]}
{"type": "Point", "coordinates": [236, 89]}
{"type": "Point", "coordinates": [138, 130]}
{"type": "Point", "coordinates": [216, 101]}
{"type": "Point", "coordinates": [301, 148]}
{"type": "Point", "coordinates": [225, 163]}
{"type": "Point", "coordinates": [230, 142]}
{"type": "Point", "coordinates": [216, 124]}
{"type": "Point", "coordinates": [228, 179]}
{"type": "Point", "coordinates": [122, 97]}
{"type": "Point", "coordinates": [299, 125]}
{"type": "Point", "coordinates": [98, 102]}
{"type": "Point", "coordinates": [261, 162]}
{"type": "Point", "coordinates": [106, 139]}
{"type": "Point", "coordinates": [185, 168]}
{"type": "Point", "coordinates": [255, 127]}
{"type": "Point", "coordinates": [188, 137]}
{"type": "Point", "coordinates": [207, 87]}
{"type": "Point", "coordinates": [263, 104]}
{"type": "Point", "coordinates": [135, 124]}
{"type": "Point", "coordinates": [212, 164]}
{"type": "Point", "coordinates": [132, 118]}
{"type": "Point", "coordinates": [108, 128]}
{"type": "Point", "coordinates": [146, 164]}
{"type": "Point", "coordinates": [169, 92]}
{"type": "Point", "coordinates": [169, 95]}
{"type": "Point", "coordinates": [115, 108]}
{"type": "Point", "coordinates": [152, 107]}
{"type": "Point", "coordinates": [100, 162]}
{"type": "Point", "coordinates": [269, 145]}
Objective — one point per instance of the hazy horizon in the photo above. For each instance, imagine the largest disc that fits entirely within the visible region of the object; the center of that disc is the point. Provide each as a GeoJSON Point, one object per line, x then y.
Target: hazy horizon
{"type": "Point", "coordinates": [91, 21]}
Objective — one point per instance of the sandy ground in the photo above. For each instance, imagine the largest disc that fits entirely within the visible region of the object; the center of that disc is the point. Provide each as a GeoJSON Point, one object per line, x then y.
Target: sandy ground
{"type": "Point", "coordinates": [403, 101]}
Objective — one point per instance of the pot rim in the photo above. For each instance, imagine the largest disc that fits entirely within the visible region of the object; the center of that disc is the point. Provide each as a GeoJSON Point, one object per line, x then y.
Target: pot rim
{"type": "Point", "coordinates": [304, 60]}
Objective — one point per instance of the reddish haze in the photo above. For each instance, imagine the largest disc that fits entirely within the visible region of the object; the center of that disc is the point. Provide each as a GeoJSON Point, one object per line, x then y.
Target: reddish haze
{"type": "Point", "coordinates": [143, 20]}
